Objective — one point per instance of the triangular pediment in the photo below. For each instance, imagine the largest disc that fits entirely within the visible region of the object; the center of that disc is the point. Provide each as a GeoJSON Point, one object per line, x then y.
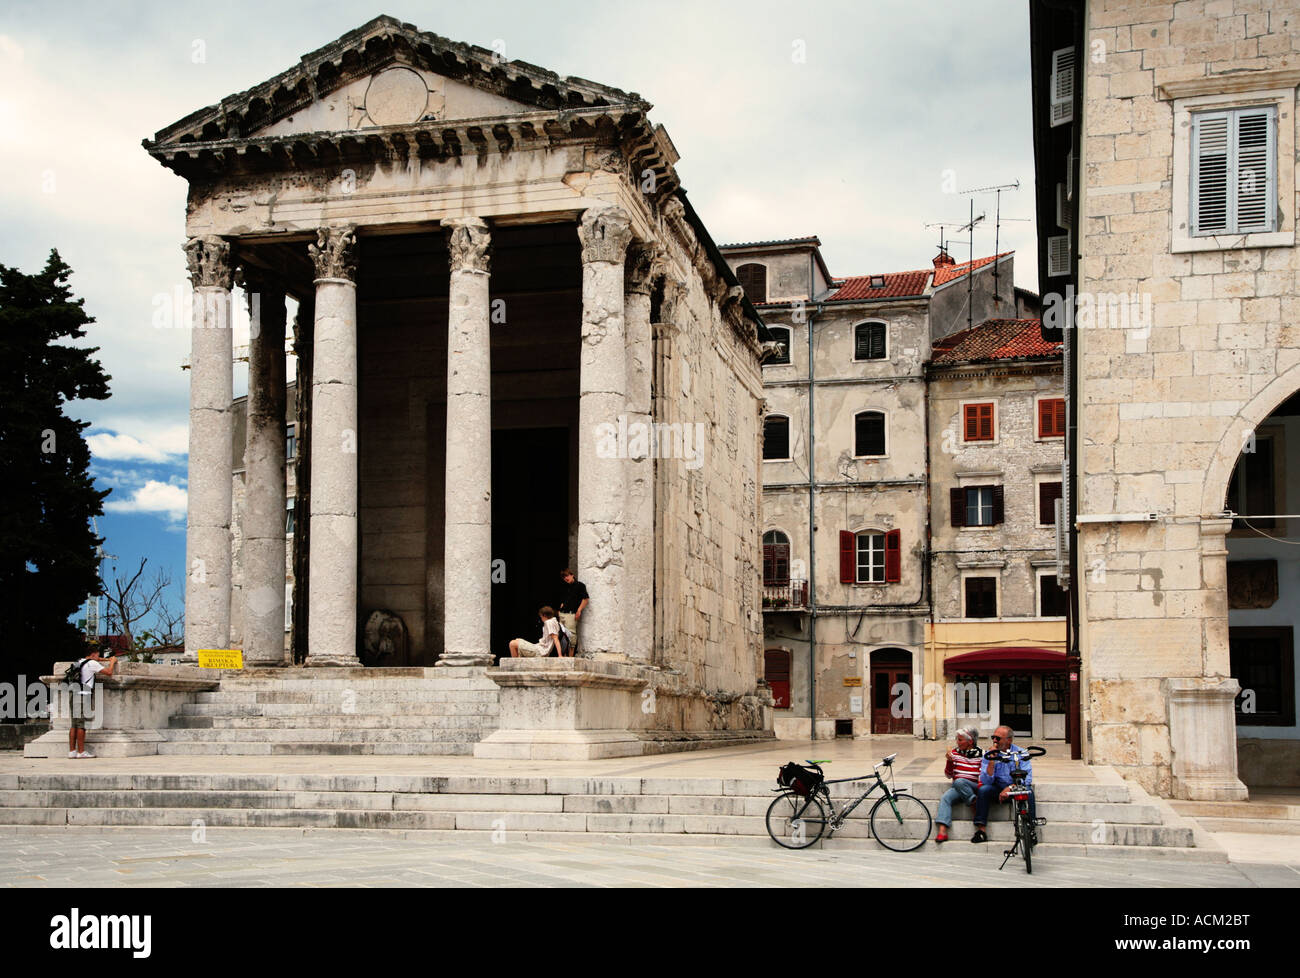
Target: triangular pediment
{"type": "Point", "coordinates": [385, 74]}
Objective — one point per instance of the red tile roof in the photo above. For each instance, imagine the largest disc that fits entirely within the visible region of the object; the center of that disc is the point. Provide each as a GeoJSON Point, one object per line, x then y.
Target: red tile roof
{"type": "Point", "coordinates": [995, 339]}
{"type": "Point", "coordinates": [946, 273]}
{"type": "Point", "coordinates": [897, 285]}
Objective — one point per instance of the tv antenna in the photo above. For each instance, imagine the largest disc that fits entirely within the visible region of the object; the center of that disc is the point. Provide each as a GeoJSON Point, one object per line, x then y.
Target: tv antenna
{"type": "Point", "coordinates": [997, 230]}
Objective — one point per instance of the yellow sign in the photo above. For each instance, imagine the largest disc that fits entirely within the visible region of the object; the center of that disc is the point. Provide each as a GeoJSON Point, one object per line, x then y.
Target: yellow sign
{"type": "Point", "coordinates": [852, 680]}
{"type": "Point", "coordinates": [221, 659]}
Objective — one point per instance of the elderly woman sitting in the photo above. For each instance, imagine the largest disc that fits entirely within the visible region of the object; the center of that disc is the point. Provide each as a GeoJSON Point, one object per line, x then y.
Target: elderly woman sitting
{"type": "Point", "coordinates": [965, 774]}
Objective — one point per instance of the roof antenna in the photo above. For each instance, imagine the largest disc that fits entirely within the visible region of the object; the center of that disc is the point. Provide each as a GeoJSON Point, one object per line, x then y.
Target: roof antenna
{"type": "Point", "coordinates": [997, 229]}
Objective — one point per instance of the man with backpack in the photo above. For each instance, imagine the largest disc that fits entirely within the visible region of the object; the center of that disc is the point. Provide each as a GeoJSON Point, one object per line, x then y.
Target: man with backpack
{"type": "Point", "coordinates": [81, 678]}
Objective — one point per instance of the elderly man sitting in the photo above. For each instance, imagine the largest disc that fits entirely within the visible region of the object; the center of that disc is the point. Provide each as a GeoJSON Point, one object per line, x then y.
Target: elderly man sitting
{"type": "Point", "coordinates": [963, 766]}
{"type": "Point", "coordinates": [995, 779]}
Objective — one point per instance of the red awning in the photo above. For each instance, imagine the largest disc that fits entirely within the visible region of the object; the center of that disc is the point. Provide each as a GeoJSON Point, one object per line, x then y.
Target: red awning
{"type": "Point", "coordinates": [1006, 660]}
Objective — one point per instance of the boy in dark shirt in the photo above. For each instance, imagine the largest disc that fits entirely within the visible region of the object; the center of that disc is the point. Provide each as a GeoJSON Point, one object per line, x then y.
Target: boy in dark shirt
{"type": "Point", "coordinates": [573, 599]}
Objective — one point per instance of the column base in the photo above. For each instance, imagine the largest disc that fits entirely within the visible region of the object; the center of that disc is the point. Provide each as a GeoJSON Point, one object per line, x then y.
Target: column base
{"type": "Point", "coordinates": [333, 662]}
{"type": "Point", "coordinates": [460, 659]}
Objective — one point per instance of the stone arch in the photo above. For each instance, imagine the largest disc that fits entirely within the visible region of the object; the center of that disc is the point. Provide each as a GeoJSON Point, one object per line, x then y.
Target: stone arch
{"type": "Point", "coordinates": [1228, 451]}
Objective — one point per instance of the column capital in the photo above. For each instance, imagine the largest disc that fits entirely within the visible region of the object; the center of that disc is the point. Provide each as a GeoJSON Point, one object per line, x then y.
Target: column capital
{"type": "Point", "coordinates": [335, 253]}
{"type": "Point", "coordinates": [470, 243]}
{"type": "Point", "coordinates": [605, 233]}
{"type": "Point", "coordinates": [638, 272]}
{"type": "Point", "coordinates": [211, 264]}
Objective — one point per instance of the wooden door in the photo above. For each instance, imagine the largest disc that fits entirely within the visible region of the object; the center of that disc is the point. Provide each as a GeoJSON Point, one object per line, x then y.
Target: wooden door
{"type": "Point", "coordinates": [891, 693]}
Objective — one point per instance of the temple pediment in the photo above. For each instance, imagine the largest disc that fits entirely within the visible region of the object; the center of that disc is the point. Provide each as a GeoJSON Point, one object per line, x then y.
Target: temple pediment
{"type": "Point", "coordinates": [387, 74]}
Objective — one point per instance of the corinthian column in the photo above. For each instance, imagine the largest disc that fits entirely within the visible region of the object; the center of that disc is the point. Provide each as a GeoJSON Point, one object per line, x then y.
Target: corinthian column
{"type": "Point", "coordinates": [332, 562]}
{"type": "Point", "coordinates": [638, 528]}
{"type": "Point", "coordinates": [264, 475]}
{"type": "Point", "coordinates": [605, 233]}
{"type": "Point", "coordinates": [207, 535]}
{"type": "Point", "coordinates": [467, 554]}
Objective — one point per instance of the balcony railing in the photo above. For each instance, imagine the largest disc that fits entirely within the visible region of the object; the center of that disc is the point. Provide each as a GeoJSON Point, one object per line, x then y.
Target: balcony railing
{"type": "Point", "coordinates": [790, 596]}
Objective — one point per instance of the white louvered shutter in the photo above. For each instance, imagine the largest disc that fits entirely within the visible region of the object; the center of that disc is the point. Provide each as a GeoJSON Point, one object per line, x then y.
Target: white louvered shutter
{"type": "Point", "coordinates": [1063, 208]}
{"type": "Point", "coordinates": [1058, 256]}
{"type": "Point", "coordinates": [1062, 85]}
{"type": "Point", "coordinates": [1069, 175]}
{"type": "Point", "coordinates": [1254, 170]}
{"type": "Point", "coordinates": [1210, 173]}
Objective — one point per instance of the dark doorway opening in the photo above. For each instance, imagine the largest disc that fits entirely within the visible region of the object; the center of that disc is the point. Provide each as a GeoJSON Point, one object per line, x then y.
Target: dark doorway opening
{"type": "Point", "coordinates": [891, 691]}
{"type": "Point", "coordinates": [530, 528]}
{"type": "Point", "coordinates": [1016, 704]}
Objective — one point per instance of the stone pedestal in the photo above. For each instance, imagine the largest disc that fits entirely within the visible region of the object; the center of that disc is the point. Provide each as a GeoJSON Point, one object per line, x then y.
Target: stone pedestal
{"type": "Point", "coordinates": [207, 537]}
{"type": "Point", "coordinates": [1203, 735]}
{"type": "Point", "coordinates": [128, 712]}
{"type": "Point", "coordinates": [467, 553]}
{"type": "Point", "coordinates": [332, 563]}
{"type": "Point", "coordinates": [565, 709]}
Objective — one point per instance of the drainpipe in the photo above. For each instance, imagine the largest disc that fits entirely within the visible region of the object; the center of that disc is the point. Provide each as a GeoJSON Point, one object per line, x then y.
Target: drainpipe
{"type": "Point", "coordinates": [812, 517]}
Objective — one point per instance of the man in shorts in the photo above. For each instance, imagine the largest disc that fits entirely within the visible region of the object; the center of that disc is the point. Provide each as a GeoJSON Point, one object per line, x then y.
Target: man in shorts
{"type": "Point", "coordinates": [550, 637]}
{"type": "Point", "coordinates": [80, 701]}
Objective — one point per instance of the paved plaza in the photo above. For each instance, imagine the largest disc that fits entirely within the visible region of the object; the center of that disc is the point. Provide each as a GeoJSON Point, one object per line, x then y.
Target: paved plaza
{"type": "Point", "coordinates": [256, 857]}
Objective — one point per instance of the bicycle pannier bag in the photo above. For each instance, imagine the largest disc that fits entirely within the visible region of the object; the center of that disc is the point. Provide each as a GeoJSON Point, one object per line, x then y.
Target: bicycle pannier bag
{"type": "Point", "coordinates": [799, 779]}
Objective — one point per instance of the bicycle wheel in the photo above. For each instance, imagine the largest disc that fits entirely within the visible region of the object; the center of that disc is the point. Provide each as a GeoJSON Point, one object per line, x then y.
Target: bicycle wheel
{"type": "Point", "coordinates": [1025, 832]}
{"type": "Point", "coordinates": [901, 823]}
{"type": "Point", "coordinates": [794, 821]}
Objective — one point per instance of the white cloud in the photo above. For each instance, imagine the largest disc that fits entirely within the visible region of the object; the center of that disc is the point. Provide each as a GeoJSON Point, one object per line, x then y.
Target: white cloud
{"type": "Point", "coordinates": [153, 497]}
{"type": "Point", "coordinates": [123, 448]}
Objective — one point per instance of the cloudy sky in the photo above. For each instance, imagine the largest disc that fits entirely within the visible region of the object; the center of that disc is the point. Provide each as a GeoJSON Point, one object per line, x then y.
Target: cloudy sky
{"type": "Point", "coordinates": [854, 121]}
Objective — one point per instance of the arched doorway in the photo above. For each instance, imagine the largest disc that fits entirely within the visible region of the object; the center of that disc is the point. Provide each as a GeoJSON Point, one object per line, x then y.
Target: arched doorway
{"type": "Point", "coordinates": [891, 683]}
{"type": "Point", "coordinates": [1263, 597]}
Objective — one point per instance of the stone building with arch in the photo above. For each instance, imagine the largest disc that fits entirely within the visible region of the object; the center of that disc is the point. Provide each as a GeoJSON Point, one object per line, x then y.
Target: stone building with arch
{"type": "Point", "coordinates": [1167, 202]}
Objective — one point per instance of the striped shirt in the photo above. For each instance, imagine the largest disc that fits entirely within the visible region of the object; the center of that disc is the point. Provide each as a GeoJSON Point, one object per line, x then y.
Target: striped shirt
{"type": "Point", "coordinates": [963, 768]}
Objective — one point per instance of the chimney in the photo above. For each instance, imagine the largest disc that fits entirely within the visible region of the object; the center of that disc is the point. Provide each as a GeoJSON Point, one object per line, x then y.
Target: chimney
{"type": "Point", "coordinates": [943, 258]}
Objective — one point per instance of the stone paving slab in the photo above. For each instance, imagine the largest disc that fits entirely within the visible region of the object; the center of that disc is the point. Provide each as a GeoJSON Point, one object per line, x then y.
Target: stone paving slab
{"type": "Point", "coordinates": [236, 857]}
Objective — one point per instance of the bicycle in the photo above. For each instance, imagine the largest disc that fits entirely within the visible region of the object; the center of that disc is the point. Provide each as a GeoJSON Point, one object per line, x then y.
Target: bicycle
{"type": "Point", "coordinates": [797, 818]}
{"type": "Point", "coordinates": [1019, 792]}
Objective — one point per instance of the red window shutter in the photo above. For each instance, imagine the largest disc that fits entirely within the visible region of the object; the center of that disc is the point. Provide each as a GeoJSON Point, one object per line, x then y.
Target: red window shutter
{"type": "Point", "coordinates": [997, 505]}
{"type": "Point", "coordinates": [1051, 417]}
{"type": "Point", "coordinates": [957, 497]}
{"type": "Point", "coordinates": [972, 422]}
{"type": "Point", "coordinates": [986, 422]}
{"type": "Point", "coordinates": [893, 556]}
{"type": "Point", "coordinates": [848, 558]}
{"type": "Point", "coordinates": [979, 422]}
{"type": "Point", "coordinates": [1060, 417]}
{"type": "Point", "coordinates": [1044, 419]}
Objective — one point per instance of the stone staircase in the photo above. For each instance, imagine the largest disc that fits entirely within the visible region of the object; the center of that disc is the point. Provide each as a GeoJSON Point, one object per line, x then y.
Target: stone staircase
{"type": "Point", "coordinates": [350, 711]}
{"type": "Point", "coordinates": [1097, 818]}
{"type": "Point", "coordinates": [1272, 813]}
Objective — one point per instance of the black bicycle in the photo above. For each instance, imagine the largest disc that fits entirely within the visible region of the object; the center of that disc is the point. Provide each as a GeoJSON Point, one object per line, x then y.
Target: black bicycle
{"type": "Point", "coordinates": [803, 811]}
{"type": "Point", "coordinates": [1026, 827]}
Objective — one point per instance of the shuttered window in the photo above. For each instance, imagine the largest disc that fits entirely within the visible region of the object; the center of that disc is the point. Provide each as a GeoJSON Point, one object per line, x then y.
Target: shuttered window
{"type": "Point", "coordinates": [978, 422]}
{"type": "Point", "coordinates": [776, 437]}
{"type": "Point", "coordinates": [869, 434]}
{"type": "Point", "coordinates": [1234, 171]}
{"type": "Point", "coordinates": [871, 558]}
{"type": "Point", "coordinates": [753, 279]}
{"type": "Point", "coordinates": [1051, 417]}
{"type": "Point", "coordinates": [1061, 88]}
{"type": "Point", "coordinates": [776, 559]}
{"type": "Point", "coordinates": [869, 341]}
{"type": "Point", "coordinates": [848, 558]}
{"type": "Point", "coordinates": [981, 597]}
{"type": "Point", "coordinates": [893, 556]}
{"type": "Point", "coordinates": [1048, 494]}
{"type": "Point", "coordinates": [977, 506]}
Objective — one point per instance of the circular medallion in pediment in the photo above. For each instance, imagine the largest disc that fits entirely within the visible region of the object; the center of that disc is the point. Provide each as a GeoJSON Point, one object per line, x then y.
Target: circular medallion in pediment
{"type": "Point", "coordinates": [396, 96]}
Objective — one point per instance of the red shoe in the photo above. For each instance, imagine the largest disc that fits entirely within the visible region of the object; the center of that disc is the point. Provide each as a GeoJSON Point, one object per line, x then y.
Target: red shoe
{"type": "Point", "coordinates": [942, 835]}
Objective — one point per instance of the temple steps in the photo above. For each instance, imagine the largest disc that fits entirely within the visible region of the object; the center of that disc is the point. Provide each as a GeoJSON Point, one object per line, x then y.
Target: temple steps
{"type": "Point", "coordinates": [1081, 817]}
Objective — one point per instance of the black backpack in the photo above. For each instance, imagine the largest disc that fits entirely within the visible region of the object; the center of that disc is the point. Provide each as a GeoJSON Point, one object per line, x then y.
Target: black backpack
{"type": "Point", "coordinates": [799, 779]}
{"type": "Point", "coordinates": [72, 675]}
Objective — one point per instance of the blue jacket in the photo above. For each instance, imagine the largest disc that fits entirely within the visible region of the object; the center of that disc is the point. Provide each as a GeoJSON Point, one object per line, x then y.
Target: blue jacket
{"type": "Point", "coordinates": [1000, 771]}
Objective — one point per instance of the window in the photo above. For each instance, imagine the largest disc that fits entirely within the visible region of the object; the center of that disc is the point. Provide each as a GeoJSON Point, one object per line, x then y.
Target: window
{"type": "Point", "coordinates": [776, 559]}
{"type": "Point", "coordinates": [780, 335]}
{"type": "Point", "coordinates": [1051, 417]}
{"type": "Point", "coordinates": [869, 341]}
{"type": "Point", "coordinates": [1263, 663]}
{"type": "Point", "coordinates": [870, 557]}
{"type": "Point", "coordinates": [1234, 163]}
{"type": "Point", "coordinates": [753, 279]}
{"type": "Point", "coordinates": [1051, 598]}
{"type": "Point", "coordinates": [776, 438]}
{"type": "Point", "coordinates": [1048, 494]}
{"type": "Point", "coordinates": [981, 597]}
{"type": "Point", "coordinates": [977, 422]}
{"type": "Point", "coordinates": [291, 443]}
{"type": "Point", "coordinates": [1061, 89]}
{"type": "Point", "coordinates": [869, 434]}
{"type": "Point", "coordinates": [1056, 687]}
{"type": "Point", "coordinates": [1255, 488]}
{"type": "Point", "coordinates": [976, 506]}
{"type": "Point", "coordinates": [1234, 171]}
{"type": "Point", "coordinates": [290, 516]}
